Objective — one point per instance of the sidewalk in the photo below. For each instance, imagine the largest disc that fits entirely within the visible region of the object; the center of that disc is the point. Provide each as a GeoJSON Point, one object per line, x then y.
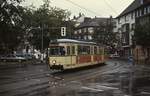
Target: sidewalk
{"type": "Point", "coordinates": [5, 65]}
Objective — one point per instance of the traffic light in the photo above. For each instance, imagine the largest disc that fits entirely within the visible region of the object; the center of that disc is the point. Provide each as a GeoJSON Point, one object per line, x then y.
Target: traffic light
{"type": "Point", "coordinates": [63, 31]}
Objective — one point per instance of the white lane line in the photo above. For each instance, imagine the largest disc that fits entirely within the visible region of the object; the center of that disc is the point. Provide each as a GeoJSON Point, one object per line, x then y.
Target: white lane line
{"type": "Point", "coordinates": [105, 87]}
{"type": "Point", "coordinates": [93, 89]}
{"type": "Point", "coordinates": [146, 93]}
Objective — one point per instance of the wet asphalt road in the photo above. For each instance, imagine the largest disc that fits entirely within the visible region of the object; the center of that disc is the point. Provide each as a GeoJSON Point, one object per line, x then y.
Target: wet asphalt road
{"type": "Point", "coordinates": [116, 78]}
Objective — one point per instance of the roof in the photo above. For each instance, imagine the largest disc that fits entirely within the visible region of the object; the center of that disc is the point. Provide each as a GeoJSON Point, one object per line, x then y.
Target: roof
{"type": "Point", "coordinates": [74, 41]}
{"type": "Point", "coordinates": [95, 22]}
{"type": "Point", "coordinates": [134, 5]}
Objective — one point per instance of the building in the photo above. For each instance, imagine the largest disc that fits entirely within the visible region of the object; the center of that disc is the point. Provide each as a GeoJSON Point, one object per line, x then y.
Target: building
{"type": "Point", "coordinates": [125, 24]}
{"type": "Point", "coordinates": [142, 53]}
{"type": "Point", "coordinates": [144, 13]}
{"type": "Point", "coordinates": [90, 29]}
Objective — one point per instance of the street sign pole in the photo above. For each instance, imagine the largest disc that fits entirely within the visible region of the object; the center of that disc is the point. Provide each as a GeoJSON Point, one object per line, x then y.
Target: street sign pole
{"type": "Point", "coordinates": [131, 61]}
{"type": "Point", "coordinates": [63, 31]}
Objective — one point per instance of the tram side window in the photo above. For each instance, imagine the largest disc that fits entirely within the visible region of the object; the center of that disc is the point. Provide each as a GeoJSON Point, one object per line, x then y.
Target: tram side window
{"type": "Point", "coordinates": [92, 50]}
{"type": "Point", "coordinates": [95, 50]}
{"type": "Point", "coordinates": [73, 50]}
{"type": "Point", "coordinates": [57, 51]}
{"type": "Point", "coordinates": [83, 50]}
{"type": "Point", "coordinates": [62, 51]}
{"type": "Point", "coordinates": [68, 50]}
{"type": "Point", "coordinates": [54, 51]}
{"type": "Point", "coordinates": [100, 51]}
{"type": "Point", "coordinates": [105, 52]}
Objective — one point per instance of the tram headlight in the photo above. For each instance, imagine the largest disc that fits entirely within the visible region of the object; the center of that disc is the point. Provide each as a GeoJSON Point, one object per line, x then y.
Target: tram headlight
{"type": "Point", "coordinates": [54, 61]}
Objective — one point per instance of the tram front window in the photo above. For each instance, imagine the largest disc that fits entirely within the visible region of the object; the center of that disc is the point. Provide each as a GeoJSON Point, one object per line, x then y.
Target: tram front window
{"type": "Point", "coordinates": [57, 50]}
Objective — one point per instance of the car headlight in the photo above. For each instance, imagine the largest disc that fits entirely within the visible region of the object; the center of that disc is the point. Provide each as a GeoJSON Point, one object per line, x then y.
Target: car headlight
{"type": "Point", "coordinates": [54, 61]}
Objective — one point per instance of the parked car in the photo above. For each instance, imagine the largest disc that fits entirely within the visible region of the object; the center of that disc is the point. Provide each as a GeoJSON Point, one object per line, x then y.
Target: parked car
{"type": "Point", "coordinates": [114, 56]}
{"type": "Point", "coordinates": [26, 56]}
{"type": "Point", "coordinates": [12, 58]}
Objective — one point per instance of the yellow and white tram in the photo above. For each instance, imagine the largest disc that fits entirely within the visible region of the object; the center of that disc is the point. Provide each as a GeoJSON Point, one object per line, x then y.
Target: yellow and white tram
{"type": "Point", "coordinates": [68, 54]}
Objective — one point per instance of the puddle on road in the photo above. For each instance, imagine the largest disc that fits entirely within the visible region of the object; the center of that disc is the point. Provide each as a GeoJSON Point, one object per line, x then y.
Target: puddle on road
{"type": "Point", "coordinates": [75, 88]}
{"type": "Point", "coordinates": [112, 84]}
{"type": "Point", "coordinates": [105, 85]}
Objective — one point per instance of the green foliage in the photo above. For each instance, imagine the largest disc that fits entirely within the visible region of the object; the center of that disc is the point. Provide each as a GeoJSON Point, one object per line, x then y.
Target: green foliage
{"type": "Point", "coordinates": [104, 35]}
{"type": "Point", "coordinates": [142, 34]}
{"type": "Point", "coordinates": [18, 23]}
{"type": "Point", "coordinates": [45, 19]}
{"type": "Point", "coordinates": [10, 31]}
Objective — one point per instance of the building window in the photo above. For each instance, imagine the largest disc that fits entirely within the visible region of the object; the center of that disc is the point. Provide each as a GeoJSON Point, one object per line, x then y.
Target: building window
{"type": "Point", "coordinates": [75, 32]}
{"type": "Point", "coordinates": [85, 37]}
{"type": "Point", "coordinates": [140, 12]}
{"type": "Point", "coordinates": [145, 10]}
{"type": "Point", "coordinates": [79, 37]}
{"type": "Point", "coordinates": [89, 37]}
{"type": "Point", "coordinates": [84, 30]}
{"type": "Point", "coordinates": [141, 2]}
{"type": "Point", "coordinates": [136, 13]}
{"type": "Point", "coordinates": [119, 21]}
{"type": "Point", "coordinates": [91, 30]}
{"type": "Point", "coordinates": [125, 18]}
{"type": "Point", "coordinates": [79, 31]}
{"type": "Point", "coordinates": [132, 26]}
{"type": "Point", "coordinates": [132, 15]}
{"type": "Point", "coordinates": [148, 9]}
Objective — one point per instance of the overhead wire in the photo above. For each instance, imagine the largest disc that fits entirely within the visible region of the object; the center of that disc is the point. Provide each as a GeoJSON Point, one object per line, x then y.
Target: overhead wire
{"type": "Point", "coordinates": [83, 7]}
{"type": "Point", "coordinates": [110, 7]}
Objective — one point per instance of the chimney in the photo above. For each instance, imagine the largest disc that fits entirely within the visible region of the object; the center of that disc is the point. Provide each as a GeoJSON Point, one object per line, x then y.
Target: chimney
{"type": "Point", "coordinates": [144, 1]}
{"type": "Point", "coordinates": [141, 1]}
{"type": "Point", "coordinates": [87, 19]}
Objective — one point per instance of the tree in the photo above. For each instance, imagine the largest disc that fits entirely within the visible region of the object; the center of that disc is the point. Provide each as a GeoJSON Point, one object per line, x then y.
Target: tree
{"type": "Point", "coordinates": [104, 34]}
{"type": "Point", "coordinates": [142, 34]}
{"type": "Point", "coordinates": [19, 23]}
{"type": "Point", "coordinates": [10, 31]}
{"type": "Point", "coordinates": [45, 20]}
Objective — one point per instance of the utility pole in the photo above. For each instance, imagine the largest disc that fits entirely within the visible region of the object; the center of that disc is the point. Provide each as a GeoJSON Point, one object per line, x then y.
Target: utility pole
{"type": "Point", "coordinates": [63, 31]}
{"type": "Point", "coordinates": [42, 29]}
{"type": "Point", "coordinates": [42, 40]}
{"type": "Point", "coordinates": [131, 61]}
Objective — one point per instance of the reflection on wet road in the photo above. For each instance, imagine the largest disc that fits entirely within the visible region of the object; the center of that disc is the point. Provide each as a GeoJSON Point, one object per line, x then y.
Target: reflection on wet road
{"type": "Point", "coordinates": [113, 79]}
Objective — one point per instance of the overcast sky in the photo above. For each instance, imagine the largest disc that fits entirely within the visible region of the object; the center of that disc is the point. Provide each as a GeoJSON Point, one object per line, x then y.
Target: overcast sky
{"type": "Point", "coordinates": [91, 8]}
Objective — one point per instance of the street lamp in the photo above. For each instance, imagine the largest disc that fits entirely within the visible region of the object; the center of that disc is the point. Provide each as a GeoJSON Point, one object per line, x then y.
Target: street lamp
{"type": "Point", "coordinates": [131, 61]}
{"type": "Point", "coordinates": [31, 35]}
{"type": "Point", "coordinates": [42, 40]}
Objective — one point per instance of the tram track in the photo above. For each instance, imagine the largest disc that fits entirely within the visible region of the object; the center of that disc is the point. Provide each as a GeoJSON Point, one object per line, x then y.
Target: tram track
{"type": "Point", "coordinates": [80, 76]}
{"type": "Point", "coordinates": [55, 78]}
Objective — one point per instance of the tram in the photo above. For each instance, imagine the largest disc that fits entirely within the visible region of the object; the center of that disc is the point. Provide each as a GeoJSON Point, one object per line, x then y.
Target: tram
{"type": "Point", "coordinates": [68, 54]}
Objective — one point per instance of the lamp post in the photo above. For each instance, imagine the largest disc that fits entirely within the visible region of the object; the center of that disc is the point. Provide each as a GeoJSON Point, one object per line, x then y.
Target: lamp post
{"type": "Point", "coordinates": [42, 39]}
{"type": "Point", "coordinates": [133, 66]}
{"type": "Point", "coordinates": [42, 35]}
{"type": "Point", "coordinates": [131, 61]}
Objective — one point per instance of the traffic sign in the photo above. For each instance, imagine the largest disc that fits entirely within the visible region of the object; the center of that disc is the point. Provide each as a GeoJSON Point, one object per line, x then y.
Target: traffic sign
{"type": "Point", "coordinates": [63, 31]}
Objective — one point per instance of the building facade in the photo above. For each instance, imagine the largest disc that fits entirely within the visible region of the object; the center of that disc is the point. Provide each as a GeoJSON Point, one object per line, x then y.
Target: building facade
{"type": "Point", "coordinates": [125, 23]}
{"type": "Point", "coordinates": [91, 29]}
{"type": "Point", "coordinates": [142, 53]}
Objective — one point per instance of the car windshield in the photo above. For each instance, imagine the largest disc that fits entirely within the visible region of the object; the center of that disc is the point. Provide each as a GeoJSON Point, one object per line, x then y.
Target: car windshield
{"type": "Point", "coordinates": [57, 50]}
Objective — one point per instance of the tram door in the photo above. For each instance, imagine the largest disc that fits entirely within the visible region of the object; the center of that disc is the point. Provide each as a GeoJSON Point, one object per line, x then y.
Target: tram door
{"type": "Point", "coordinates": [71, 58]}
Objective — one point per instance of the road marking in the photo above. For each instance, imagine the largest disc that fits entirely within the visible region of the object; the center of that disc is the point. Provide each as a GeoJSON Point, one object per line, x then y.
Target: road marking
{"type": "Point", "coordinates": [145, 93]}
{"type": "Point", "coordinates": [105, 87]}
{"type": "Point", "coordinates": [93, 89]}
